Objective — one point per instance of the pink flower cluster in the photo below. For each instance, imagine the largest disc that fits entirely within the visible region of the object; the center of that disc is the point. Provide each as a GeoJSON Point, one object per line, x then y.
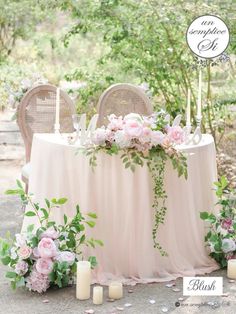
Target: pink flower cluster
{"type": "Point", "coordinates": [136, 131]}
{"type": "Point", "coordinates": [44, 256]}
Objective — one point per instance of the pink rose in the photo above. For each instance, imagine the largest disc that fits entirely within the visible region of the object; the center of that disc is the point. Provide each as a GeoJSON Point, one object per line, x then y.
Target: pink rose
{"type": "Point", "coordinates": [24, 252]}
{"type": "Point", "coordinates": [21, 268]}
{"type": "Point", "coordinates": [176, 134]}
{"type": "Point", "coordinates": [44, 266]}
{"type": "Point", "coordinates": [47, 248]}
{"type": "Point", "coordinates": [146, 135]}
{"type": "Point", "coordinates": [66, 256]}
{"type": "Point", "coordinates": [50, 233]}
{"type": "Point", "coordinates": [226, 223]}
{"type": "Point", "coordinates": [133, 128]}
{"type": "Point", "coordinates": [116, 123]}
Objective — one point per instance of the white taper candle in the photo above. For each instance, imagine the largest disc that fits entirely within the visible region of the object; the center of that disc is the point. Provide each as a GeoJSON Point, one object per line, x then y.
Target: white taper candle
{"type": "Point", "coordinates": [57, 122]}
{"type": "Point", "coordinates": [188, 118]}
{"type": "Point", "coordinates": [199, 99]}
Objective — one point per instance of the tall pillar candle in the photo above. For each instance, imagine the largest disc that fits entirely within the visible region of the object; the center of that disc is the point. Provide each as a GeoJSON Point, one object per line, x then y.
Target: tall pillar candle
{"type": "Point", "coordinates": [199, 99]}
{"type": "Point", "coordinates": [83, 281]}
{"type": "Point", "coordinates": [115, 290]}
{"type": "Point", "coordinates": [231, 270]}
{"type": "Point", "coordinates": [188, 116]}
{"type": "Point", "coordinates": [57, 122]}
{"type": "Point", "coordinates": [98, 295]}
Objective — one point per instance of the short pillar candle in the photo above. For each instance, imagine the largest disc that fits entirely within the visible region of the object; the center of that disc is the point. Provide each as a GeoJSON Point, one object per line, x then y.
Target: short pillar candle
{"type": "Point", "coordinates": [115, 290]}
{"type": "Point", "coordinates": [231, 270]}
{"type": "Point", "coordinates": [83, 280]}
{"type": "Point", "coordinates": [98, 295]}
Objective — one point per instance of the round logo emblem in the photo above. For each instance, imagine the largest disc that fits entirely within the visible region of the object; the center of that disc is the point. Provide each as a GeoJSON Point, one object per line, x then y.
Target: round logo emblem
{"type": "Point", "coordinates": [207, 36]}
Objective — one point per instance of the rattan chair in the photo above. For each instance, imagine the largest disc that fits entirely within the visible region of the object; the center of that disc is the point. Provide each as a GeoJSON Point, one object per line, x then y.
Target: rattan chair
{"type": "Point", "coordinates": [36, 114]}
{"type": "Point", "coordinates": [121, 99]}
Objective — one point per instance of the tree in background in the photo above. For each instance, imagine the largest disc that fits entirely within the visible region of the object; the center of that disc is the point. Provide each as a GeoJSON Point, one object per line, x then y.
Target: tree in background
{"type": "Point", "coordinates": [145, 42]}
{"type": "Point", "coordinates": [18, 19]}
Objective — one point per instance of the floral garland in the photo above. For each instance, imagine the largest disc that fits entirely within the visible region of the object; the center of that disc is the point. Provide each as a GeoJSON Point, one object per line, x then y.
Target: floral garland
{"type": "Point", "coordinates": [46, 256]}
{"type": "Point", "coordinates": [143, 140]}
{"type": "Point", "coordinates": [221, 236]}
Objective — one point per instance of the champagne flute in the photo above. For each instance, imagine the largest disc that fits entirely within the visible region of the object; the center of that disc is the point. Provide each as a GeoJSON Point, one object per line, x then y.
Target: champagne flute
{"type": "Point", "coordinates": [76, 121]}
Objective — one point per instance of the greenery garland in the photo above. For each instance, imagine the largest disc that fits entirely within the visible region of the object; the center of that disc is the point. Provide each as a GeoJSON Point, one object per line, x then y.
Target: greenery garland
{"type": "Point", "coordinates": [155, 159]}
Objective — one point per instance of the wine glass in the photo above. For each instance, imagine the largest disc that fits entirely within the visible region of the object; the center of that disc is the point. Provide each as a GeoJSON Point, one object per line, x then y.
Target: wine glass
{"type": "Point", "coordinates": [76, 120]}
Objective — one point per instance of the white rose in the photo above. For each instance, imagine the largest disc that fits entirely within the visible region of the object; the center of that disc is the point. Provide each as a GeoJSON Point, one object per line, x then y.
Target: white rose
{"type": "Point", "coordinates": [228, 245]}
{"type": "Point", "coordinates": [99, 136]}
{"type": "Point", "coordinates": [122, 139]}
{"type": "Point", "coordinates": [66, 256]}
{"type": "Point", "coordinates": [133, 116]}
{"type": "Point", "coordinates": [20, 240]}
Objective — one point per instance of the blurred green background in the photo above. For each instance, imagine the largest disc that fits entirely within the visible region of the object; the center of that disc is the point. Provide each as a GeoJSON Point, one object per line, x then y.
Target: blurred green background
{"type": "Point", "coordinates": [86, 45]}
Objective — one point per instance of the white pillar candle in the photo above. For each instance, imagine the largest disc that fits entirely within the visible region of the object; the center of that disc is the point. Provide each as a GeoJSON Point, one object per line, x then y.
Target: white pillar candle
{"type": "Point", "coordinates": [83, 281]}
{"type": "Point", "coordinates": [188, 118]}
{"type": "Point", "coordinates": [231, 270]}
{"type": "Point", "coordinates": [115, 290]}
{"type": "Point", "coordinates": [97, 295]}
{"type": "Point", "coordinates": [57, 122]}
{"type": "Point", "coordinates": [199, 99]}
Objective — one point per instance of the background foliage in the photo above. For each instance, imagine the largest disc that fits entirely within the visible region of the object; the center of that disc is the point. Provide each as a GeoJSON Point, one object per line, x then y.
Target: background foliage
{"type": "Point", "coordinates": [97, 43]}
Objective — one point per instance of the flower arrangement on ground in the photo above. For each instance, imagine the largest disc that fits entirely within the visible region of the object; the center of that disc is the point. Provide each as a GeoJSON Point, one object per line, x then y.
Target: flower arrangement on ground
{"type": "Point", "coordinates": [221, 238]}
{"type": "Point", "coordinates": [139, 140]}
{"type": "Point", "coordinates": [46, 256]}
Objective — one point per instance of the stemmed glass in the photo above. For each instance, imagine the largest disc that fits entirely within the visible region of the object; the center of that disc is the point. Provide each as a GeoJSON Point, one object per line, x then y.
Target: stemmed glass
{"type": "Point", "coordinates": [76, 120]}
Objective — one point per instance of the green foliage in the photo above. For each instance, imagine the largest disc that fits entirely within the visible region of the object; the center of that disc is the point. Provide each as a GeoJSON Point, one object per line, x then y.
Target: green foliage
{"type": "Point", "coordinates": [145, 43]}
{"type": "Point", "coordinates": [18, 20]}
{"type": "Point", "coordinates": [223, 225]}
{"type": "Point", "coordinates": [71, 237]}
{"type": "Point", "coordinates": [155, 159]}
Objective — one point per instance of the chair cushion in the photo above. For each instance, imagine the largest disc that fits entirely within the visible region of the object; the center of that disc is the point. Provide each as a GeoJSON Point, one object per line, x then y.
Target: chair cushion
{"type": "Point", "coordinates": [26, 171]}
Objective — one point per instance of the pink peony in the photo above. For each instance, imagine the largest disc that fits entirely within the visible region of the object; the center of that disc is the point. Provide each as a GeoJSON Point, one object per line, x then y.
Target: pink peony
{"type": "Point", "coordinates": [50, 233]}
{"type": "Point", "coordinates": [116, 123]}
{"type": "Point", "coordinates": [133, 128]}
{"type": "Point", "coordinates": [47, 248]}
{"type": "Point", "coordinates": [44, 265]}
{"type": "Point", "coordinates": [24, 252]}
{"type": "Point", "coordinates": [157, 138]}
{"type": "Point", "coordinates": [37, 282]}
{"type": "Point", "coordinates": [226, 223]}
{"type": "Point", "coordinates": [66, 256]}
{"type": "Point", "coordinates": [175, 134]}
{"type": "Point", "coordinates": [21, 268]}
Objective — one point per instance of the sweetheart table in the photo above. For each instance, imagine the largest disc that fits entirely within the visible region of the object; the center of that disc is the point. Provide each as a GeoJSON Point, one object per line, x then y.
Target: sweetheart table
{"type": "Point", "coordinates": [123, 203]}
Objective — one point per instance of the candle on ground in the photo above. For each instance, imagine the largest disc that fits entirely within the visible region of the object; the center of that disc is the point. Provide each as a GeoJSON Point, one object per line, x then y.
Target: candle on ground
{"type": "Point", "coordinates": [115, 290]}
{"type": "Point", "coordinates": [83, 281]}
{"type": "Point", "coordinates": [231, 270]}
{"type": "Point", "coordinates": [57, 122]}
{"type": "Point", "coordinates": [188, 108]}
{"type": "Point", "coordinates": [199, 99]}
{"type": "Point", "coordinates": [98, 295]}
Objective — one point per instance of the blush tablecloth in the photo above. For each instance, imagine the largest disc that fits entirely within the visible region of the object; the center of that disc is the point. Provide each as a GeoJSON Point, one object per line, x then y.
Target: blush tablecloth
{"type": "Point", "coordinates": [123, 203]}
